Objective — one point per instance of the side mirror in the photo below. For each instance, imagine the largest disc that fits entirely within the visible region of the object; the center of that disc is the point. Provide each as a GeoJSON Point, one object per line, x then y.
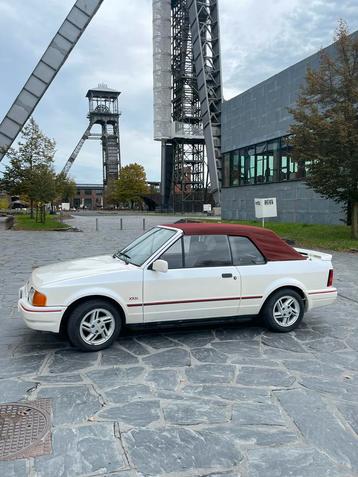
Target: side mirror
{"type": "Point", "coordinates": [160, 266]}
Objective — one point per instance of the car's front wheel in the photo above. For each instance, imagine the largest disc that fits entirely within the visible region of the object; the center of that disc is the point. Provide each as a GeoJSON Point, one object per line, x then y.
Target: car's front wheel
{"type": "Point", "coordinates": [284, 310]}
{"type": "Point", "coordinates": [94, 325]}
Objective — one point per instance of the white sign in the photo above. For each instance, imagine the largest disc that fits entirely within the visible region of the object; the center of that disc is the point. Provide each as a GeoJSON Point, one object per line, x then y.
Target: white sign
{"type": "Point", "coordinates": [65, 206]}
{"type": "Point", "coordinates": [265, 208]}
{"type": "Point", "coordinates": [206, 207]}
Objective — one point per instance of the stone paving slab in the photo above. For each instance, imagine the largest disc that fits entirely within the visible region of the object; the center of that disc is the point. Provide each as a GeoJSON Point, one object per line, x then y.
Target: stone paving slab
{"type": "Point", "coordinates": [229, 400]}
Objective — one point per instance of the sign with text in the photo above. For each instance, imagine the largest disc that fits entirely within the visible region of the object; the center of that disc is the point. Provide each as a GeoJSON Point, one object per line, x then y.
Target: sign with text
{"type": "Point", "coordinates": [206, 207]}
{"type": "Point", "coordinates": [265, 208]}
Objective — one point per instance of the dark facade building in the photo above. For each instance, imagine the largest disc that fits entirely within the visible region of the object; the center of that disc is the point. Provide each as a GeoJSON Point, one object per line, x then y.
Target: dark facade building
{"type": "Point", "coordinates": [257, 157]}
{"type": "Point", "coordinates": [88, 196]}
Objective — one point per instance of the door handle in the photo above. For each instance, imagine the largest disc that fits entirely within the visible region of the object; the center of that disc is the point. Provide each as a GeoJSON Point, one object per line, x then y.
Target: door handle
{"type": "Point", "coordinates": [226, 275]}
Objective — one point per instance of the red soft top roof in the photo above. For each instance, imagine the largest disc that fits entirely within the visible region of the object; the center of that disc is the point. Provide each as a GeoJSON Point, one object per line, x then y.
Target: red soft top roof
{"type": "Point", "coordinates": [270, 245]}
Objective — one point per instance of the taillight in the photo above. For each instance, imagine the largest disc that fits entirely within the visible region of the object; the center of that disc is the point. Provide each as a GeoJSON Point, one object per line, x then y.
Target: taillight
{"type": "Point", "coordinates": [330, 278]}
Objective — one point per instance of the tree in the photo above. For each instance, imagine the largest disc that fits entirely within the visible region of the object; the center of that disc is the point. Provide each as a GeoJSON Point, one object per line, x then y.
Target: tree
{"type": "Point", "coordinates": [325, 131]}
{"type": "Point", "coordinates": [4, 202]}
{"type": "Point", "coordinates": [34, 156]}
{"type": "Point", "coordinates": [65, 187]}
{"type": "Point", "coordinates": [131, 185]}
{"type": "Point", "coordinates": [111, 193]}
{"type": "Point", "coordinates": [43, 189]}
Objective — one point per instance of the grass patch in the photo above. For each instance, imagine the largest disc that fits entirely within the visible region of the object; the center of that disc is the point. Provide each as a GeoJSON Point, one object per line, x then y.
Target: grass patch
{"type": "Point", "coordinates": [24, 222]}
{"type": "Point", "coordinates": [328, 237]}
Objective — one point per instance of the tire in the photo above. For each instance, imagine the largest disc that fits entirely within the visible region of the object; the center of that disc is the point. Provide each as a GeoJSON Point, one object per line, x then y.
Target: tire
{"type": "Point", "coordinates": [279, 318]}
{"type": "Point", "coordinates": [94, 320]}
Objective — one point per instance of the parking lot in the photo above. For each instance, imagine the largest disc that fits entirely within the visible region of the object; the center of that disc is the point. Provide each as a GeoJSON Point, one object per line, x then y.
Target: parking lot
{"type": "Point", "coordinates": [222, 401]}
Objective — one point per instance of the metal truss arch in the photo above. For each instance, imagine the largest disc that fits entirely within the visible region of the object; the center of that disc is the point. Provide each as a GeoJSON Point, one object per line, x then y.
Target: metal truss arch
{"type": "Point", "coordinates": [46, 69]}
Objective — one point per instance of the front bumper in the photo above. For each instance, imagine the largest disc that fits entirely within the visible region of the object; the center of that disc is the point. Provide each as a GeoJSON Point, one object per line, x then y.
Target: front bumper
{"type": "Point", "coordinates": [47, 318]}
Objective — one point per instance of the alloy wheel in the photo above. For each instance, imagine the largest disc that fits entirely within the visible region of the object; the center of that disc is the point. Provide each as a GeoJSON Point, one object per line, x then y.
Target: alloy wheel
{"type": "Point", "coordinates": [286, 311]}
{"type": "Point", "coordinates": [97, 326]}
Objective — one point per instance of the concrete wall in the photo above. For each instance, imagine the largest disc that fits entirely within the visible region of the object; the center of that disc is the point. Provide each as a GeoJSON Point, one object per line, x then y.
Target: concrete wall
{"type": "Point", "coordinates": [295, 203]}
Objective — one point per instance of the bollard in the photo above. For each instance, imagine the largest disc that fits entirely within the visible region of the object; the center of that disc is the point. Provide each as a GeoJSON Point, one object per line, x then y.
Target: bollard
{"type": "Point", "coordinates": [96, 225]}
{"type": "Point", "coordinates": [143, 224]}
{"type": "Point", "coordinates": [121, 223]}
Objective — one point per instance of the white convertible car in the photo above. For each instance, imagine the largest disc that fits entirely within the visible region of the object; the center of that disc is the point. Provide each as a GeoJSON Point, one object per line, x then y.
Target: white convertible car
{"type": "Point", "coordinates": [179, 272]}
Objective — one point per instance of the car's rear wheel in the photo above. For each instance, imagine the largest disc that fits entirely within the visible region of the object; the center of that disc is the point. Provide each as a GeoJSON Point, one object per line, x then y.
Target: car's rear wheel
{"type": "Point", "coordinates": [94, 325]}
{"type": "Point", "coordinates": [284, 310]}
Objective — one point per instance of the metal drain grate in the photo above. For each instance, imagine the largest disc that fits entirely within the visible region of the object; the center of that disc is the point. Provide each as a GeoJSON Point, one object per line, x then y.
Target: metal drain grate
{"type": "Point", "coordinates": [25, 429]}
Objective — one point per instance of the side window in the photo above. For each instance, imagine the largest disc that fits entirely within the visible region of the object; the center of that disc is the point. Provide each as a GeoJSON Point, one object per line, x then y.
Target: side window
{"type": "Point", "coordinates": [244, 252]}
{"type": "Point", "coordinates": [174, 255]}
{"type": "Point", "coordinates": [206, 251]}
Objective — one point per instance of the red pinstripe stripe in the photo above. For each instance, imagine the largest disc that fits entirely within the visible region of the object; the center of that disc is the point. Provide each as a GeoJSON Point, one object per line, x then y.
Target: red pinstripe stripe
{"type": "Point", "coordinates": [319, 292]}
{"type": "Point", "coordinates": [154, 303]}
{"type": "Point", "coordinates": [39, 311]}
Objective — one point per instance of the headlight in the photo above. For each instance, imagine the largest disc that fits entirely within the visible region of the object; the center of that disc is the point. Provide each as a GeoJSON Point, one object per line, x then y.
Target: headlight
{"type": "Point", "coordinates": [36, 298]}
{"type": "Point", "coordinates": [31, 295]}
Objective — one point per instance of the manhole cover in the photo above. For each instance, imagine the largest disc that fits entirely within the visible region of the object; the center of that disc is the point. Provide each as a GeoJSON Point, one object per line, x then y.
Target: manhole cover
{"type": "Point", "coordinates": [25, 429]}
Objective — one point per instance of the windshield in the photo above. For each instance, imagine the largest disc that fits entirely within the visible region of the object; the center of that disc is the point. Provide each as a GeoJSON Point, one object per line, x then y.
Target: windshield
{"type": "Point", "coordinates": [144, 246]}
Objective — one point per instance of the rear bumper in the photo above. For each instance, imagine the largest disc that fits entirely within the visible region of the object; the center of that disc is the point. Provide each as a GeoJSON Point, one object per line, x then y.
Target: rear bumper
{"type": "Point", "coordinates": [318, 298]}
{"type": "Point", "coordinates": [40, 318]}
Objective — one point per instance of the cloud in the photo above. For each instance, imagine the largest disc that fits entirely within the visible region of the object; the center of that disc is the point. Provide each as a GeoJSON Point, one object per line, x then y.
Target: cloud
{"type": "Point", "coordinates": [258, 39]}
{"type": "Point", "coordinates": [268, 36]}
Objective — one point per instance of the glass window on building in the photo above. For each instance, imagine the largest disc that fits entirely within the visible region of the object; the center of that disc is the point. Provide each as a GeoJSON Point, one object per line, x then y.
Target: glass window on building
{"type": "Point", "coordinates": [293, 169]}
{"type": "Point", "coordinates": [285, 162]}
{"type": "Point", "coordinates": [270, 169]}
{"type": "Point", "coordinates": [88, 192]}
{"type": "Point", "coordinates": [250, 165]}
{"type": "Point", "coordinates": [260, 168]}
{"type": "Point", "coordinates": [262, 163]}
{"type": "Point", "coordinates": [235, 169]}
{"type": "Point", "coordinates": [284, 172]}
{"type": "Point", "coordinates": [88, 203]}
{"type": "Point", "coordinates": [261, 148]}
{"type": "Point", "coordinates": [299, 169]}
{"type": "Point", "coordinates": [273, 161]}
{"type": "Point", "coordinates": [242, 166]}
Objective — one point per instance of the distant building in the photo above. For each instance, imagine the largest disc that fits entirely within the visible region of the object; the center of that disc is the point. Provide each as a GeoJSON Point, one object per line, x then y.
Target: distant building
{"type": "Point", "coordinates": [88, 196]}
{"type": "Point", "coordinates": [154, 187]}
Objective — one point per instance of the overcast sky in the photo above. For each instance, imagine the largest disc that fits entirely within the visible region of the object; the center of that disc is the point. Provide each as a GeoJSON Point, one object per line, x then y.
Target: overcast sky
{"type": "Point", "coordinates": [258, 39]}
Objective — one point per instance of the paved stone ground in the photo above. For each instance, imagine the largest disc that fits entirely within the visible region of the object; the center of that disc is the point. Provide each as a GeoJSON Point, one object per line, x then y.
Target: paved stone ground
{"type": "Point", "coordinates": [224, 401]}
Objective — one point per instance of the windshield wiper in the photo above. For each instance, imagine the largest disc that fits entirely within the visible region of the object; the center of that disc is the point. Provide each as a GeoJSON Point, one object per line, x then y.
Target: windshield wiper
{"type": "Point", "coordinates": [122, 254]}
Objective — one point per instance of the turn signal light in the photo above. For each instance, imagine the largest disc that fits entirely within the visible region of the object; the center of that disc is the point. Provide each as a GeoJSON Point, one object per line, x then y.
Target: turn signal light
{"type": "Point", "coordinates": [330, 278]}
{"type": "Point", "coordinates": [39, 299]}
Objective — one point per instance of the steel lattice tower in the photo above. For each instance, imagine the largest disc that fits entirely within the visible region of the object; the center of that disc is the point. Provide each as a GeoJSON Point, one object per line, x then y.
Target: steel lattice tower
{"type": "Point", "coordinates": [103, 110]}
{"type": "Point", "coordinates": [187, 100]}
